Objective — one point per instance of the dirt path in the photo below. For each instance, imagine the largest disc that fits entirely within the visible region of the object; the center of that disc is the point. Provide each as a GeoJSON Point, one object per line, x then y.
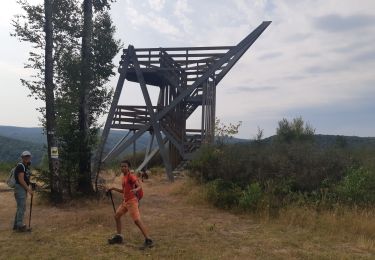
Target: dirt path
{"type": "Point", "coordinates": [183, 228]}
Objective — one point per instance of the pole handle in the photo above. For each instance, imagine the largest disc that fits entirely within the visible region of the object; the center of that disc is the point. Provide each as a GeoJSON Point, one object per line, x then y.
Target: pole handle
{"type": "Point", "coordinates": [31, 207]}
{"type": "Point", "coordinates": [113, 204]}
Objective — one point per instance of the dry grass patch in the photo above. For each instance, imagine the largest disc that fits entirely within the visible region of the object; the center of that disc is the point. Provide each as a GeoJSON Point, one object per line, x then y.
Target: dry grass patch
{"type": "Point", "coordinates": [184, 226]}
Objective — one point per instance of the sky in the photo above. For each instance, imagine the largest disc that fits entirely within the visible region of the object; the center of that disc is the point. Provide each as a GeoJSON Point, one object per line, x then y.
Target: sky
{"type": "Point", "coordinates": [316, 60]}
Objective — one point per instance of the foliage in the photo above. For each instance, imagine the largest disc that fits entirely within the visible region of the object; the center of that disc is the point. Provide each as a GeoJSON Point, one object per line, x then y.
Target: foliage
{"type": "Point", "coordinates": [305, 164]}
{"type": "Point", "coordinates": [205, 163]}
{"type": "Point", "coordinates": [5, 170]}
{"type": "Point", "coordinates": [251, 197]}
{"type": "Point", "coordinates": [286, 171]}
{"type": "Point", "coordinates": [358, 186]}
{"type": "Point", "coordinates": [223, 194]}
{"type": "Point", "coordinates": [224, 132]}
{"type": "Point", "coordinates": [10, 150]}
{"type": "Point", "coordinates": [67, 30]}
{"type": "Point", "coordinates": [295, 130]}
{"type": "Point", "coordinates": [259, 135]}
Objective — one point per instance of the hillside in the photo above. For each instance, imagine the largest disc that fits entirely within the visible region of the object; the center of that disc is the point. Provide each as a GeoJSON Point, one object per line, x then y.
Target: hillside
{"type": "Point", "coordinates": [35, 135]}
{"type": "Point", "coordinates": [25, 134]}
{"type": "Point", "coordinates": [346, 141]}
{"type": "Point", "coordinates": [325, 141]}
{"type": "Point", "coordinates": [15, 139]}
{"type": "Point", "coordinates": [10, 150]}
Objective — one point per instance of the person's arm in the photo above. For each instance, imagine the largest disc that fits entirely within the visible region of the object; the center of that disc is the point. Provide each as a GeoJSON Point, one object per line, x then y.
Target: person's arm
{"type": "Point", "coordinates": [138, 184]}
{"type": "Point", "coordinates": [23, 183]}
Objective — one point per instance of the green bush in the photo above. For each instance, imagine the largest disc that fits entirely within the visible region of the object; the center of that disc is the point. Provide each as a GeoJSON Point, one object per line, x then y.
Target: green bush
{"type": "Point", "coordinates": [304, 163]}
{"type": "Point", "coordinates": [223, 194]}
{"type": "Point", "coordinates": [5, 169]}
{"type": "Point", "coordinates": [204, 166]}
{"type": "Point", "coordinates": [251, 197]}
{"type": "Point", "coordinates": [292, 167]}
{"type": "Point", "coordinates": [358, 186]}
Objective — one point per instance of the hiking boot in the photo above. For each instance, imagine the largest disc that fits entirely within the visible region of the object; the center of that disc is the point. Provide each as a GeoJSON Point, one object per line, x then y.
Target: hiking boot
{"type": "Point", "coordinates": [15, 227]}
{"type": "Point", "coordinates": [23, 228]}
{"type": "Point", "coordinates": [147, 244]}
{"type": "Point", "coordinates": [116, 239]}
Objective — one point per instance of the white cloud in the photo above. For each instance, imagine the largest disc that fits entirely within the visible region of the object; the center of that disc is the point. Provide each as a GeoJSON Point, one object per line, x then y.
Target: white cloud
{"type": "Point", "coordinates": [322, 76]}
{"type": "Point", "coordinates": [182, 11]}
{"type": "Point", "coordinates": [151, 20]}
{"type": "Point", "coordinates": [303, 66]}
{"type": "Point", "coordinates": [9, 8]}
{"type": "Point", "coordinates": [157, 5]}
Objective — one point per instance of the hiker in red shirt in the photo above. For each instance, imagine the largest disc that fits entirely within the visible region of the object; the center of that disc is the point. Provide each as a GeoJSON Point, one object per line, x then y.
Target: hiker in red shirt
{"type": "Point", "coordinates": [130, 187]}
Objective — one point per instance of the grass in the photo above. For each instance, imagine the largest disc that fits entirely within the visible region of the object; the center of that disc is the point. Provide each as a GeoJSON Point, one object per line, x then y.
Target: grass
{"type": "Point", "coordinates": [184, 226]}
{"type": "Point", "coordinates": [5, 170]}
{"type": "Point", "coordinates": [3, 177]}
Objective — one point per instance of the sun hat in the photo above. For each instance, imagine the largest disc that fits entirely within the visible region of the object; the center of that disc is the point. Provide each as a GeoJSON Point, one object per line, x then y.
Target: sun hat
{"type": "Point", "coordinates": [25, 153]}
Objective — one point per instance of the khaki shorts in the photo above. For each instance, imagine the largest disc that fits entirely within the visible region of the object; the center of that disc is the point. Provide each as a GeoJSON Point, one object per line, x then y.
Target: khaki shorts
{"type": "Point", "coordinates": [131, 206]}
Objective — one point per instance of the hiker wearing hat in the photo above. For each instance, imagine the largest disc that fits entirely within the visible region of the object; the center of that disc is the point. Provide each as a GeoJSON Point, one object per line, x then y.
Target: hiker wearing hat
{"type": "Point", "coordinates": [22, 175]}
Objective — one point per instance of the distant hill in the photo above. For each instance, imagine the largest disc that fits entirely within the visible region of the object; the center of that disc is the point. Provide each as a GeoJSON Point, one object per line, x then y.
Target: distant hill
{"type": "Point", "coordinates": [347, 141]}
{"type": "Point", "coordinates": [11, 149]}
{"type": "Point", "coordinates": [325, 141]}
{"type": "Point", "coordinates": [27, 134]}
{"type": "Point", "coordinates": [13, 140]}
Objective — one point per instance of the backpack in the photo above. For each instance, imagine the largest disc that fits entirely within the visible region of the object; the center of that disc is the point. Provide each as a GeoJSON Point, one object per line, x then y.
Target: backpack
{"type": "Point", "coordinates": [139, 194]}
{"type": "Point", "coordinates": [12, 178]}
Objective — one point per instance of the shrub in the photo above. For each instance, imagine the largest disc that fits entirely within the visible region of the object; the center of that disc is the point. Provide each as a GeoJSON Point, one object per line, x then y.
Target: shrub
{"type": "Point", "coordinates": [251, 197]}
{"type": "Point", "coordinates": [296, 130]}
{"type": "Point", "coordinates": [288, 168]}
{"type": "Point", "coordinates": [358, 186]}
{"type": "Point", "coordinates": [204, 166]}
{"type": "Point", "coordinates": [5, 170]}
{"type": "Point", "coordinates": [223, 194]}
{"type": "Point", "coordinates": [304, 163]}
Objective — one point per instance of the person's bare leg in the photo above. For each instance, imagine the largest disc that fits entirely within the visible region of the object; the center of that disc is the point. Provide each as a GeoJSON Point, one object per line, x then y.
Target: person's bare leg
{"type": "Point", "coordinates": [142, 227]}
{"type": "Point", "coordinates": [118, 224]}
{"type": "Point", "coordinates": [118, 216]}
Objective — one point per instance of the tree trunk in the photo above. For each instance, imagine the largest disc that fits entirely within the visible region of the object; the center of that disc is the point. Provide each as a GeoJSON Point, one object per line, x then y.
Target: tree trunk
{"type": "Point", "coordinates": [53, 161]}
{"type": "Point", "coordinates": [84, 183]}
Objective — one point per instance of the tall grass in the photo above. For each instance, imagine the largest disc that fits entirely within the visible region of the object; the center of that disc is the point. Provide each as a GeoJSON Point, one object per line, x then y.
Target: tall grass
{"type": "Point", "coordinates": [339, 220]}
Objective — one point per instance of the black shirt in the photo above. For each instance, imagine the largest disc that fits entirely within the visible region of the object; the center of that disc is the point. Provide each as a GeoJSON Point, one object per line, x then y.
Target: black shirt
{"type": "Point", "coordinates": [22, 168]}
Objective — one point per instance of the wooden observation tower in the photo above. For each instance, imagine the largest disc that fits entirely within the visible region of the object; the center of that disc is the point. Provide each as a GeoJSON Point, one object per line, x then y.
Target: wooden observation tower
{"type": "Point", "coordinates": [186, 78]}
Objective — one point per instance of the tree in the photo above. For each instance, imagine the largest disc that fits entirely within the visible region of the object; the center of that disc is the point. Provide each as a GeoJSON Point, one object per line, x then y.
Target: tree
{"type": "Point", "coordinates": [259, 135]}
{"type": "Point", "coordinates": [224, 132]}
{"type": "Point", "coordinates": [296, 130]}
{"type": "Point", "coordinates": [87, 86]}
{"type": "Point", "coordinates": [53, 162]}
{"type": "Point", "coordinates": [67, 60]}
{"type": "Point", "coordinates": [84, 183]}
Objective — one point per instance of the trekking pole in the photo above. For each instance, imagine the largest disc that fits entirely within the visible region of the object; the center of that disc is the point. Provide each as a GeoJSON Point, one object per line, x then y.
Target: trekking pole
{"type": "Point", "coordinates": [31, 207]}
{"type": "Point", "coordinates": [113, 204]}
